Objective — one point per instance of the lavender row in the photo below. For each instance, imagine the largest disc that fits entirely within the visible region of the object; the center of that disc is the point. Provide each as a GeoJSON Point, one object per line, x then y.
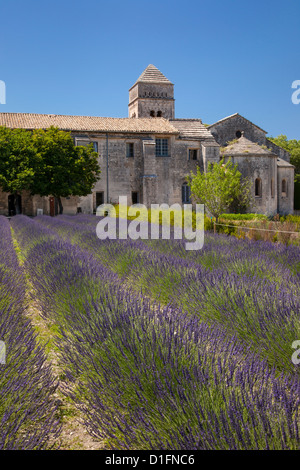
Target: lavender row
{"type": "Point", "coordinates": [153, 377]}
{"type": "Point", "coordinates": [278, 262]}
{"type": "Point", "coordinates": [252, 306]}
{"type": "Point", "coordinates": [27, 410]}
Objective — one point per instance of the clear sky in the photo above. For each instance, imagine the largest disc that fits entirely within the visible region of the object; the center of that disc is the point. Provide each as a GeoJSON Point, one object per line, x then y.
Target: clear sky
{"type": "Point", "coordinates": [81, 57]}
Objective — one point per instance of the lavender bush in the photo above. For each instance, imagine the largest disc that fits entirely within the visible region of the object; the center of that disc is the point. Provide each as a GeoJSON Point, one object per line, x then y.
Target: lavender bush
{"type": "Point", "coordinates": [194, 374]}
{"type": "Point", "coordinates": [251, 288]}
{"type": "Point", "coordinates": [27, 410]}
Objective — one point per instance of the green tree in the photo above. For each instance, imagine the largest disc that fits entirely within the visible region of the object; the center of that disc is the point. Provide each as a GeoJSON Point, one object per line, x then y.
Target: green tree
{"type": "Point", "coordinates": [62, 169]}
{"type": "Point", "coordinates": [17, 157]}
{"type": "Point", "coordinates": [220, 188]}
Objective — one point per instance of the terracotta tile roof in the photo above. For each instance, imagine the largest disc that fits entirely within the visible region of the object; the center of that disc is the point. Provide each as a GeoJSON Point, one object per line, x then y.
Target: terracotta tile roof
{"type": "Point", "coordinates": [87, 123]}
{"type": "Point", "coordinates": [152, 75]}
{"type": "Point", "coordinates": [243, 146]}
{"type": "Point", "coordinates": [192, 128]}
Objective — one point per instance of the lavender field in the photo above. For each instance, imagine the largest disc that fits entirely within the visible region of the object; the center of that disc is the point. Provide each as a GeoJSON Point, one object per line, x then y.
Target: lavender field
{"type": "Point", "coordinates": [156, 347]}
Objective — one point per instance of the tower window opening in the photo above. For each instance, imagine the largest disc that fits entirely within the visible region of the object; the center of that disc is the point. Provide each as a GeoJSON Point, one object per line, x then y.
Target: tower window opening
{"type": "Point", "coordinates": [193, 154]}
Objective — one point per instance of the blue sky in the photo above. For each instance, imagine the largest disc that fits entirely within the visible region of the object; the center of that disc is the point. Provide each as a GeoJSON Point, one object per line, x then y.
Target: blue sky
{"type": "Point", "coordinates": [81, 57]}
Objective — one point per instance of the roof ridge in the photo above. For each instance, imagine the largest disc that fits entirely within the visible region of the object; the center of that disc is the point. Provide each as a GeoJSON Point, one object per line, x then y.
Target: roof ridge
{"type": "Point", "coordinates": [236, 114]}
{"type": "Point", "coordinates": [87, 123]}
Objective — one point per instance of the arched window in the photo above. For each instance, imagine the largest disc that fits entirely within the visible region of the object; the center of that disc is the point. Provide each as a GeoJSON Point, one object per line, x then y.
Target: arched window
{"type": "Point", "coordinates": [238, 134]}
{"type": "Point", "coordinates": [159, 113]}
{"type": "Point", "coordinates": [186, 193]}
{"type": "Point", "coordinates": [258, 187]}
{"type": "Point", "coordinates": [152, 113]}
{"type": "Point", "coordinates": [284, 188]}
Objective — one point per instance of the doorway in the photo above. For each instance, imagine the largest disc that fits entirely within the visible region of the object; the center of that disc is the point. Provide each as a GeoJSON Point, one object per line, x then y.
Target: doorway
{"type": "Point", "coordinates": [12, 204]}
{"type": "Point", "coordinates": [53, 206]}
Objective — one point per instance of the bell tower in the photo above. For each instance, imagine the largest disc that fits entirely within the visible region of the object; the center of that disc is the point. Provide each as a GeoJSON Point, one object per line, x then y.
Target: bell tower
{"type": "Point", "coordinates": [152, 95]}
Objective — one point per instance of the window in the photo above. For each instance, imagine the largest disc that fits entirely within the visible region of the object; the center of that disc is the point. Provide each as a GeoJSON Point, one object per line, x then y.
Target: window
{"type": "Point", "coordinates": [161, 149]}
{"type": "Point", "coordinates": [159, 114]}
{"type": "Point", "coordinates": [152, 113]}
{"type": "Point", "coordinates": [135, 197]}
{"type": "Point", "coordinates": [193, 154]}
{"type": "Point", "coordinates": [186, 193]}
{"type": "Point", "coordinates": [82, 142]}
{"type": "Point", "coordinates": [130, 149]}
{"type": "Point", "coordinates": [86, 142]}
{"type": "Point", "coordinates": [284, 188]}
{"type": "Point", "coordinates": [258, 191]}
{"type": "Point", "coordinates": [238, 134]}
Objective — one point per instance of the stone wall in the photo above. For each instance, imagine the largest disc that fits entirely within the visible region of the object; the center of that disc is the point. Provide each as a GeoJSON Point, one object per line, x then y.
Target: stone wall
{"type": "Point", "coordinates": [226, 131]}
{"type": "Point", "coordinates": [155, 179]}
{"type": "Point", "coordinates": [264, 168]}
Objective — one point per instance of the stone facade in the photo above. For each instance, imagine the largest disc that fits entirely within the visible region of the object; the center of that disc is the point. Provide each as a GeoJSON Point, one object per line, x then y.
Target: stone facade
{"type": "Point", "coordinates": [148, 155]}
{"type": "Point", "coordinates": [232, 127]}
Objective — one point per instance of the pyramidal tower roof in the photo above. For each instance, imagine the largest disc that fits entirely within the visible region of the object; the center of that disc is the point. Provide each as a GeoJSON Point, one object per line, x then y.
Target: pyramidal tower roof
{"type": "Point", "coordinates": [152, 75]}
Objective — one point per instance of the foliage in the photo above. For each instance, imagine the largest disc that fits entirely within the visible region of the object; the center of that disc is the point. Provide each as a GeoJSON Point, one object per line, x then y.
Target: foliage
{"type": "Point", "coordinates": [17, 155]}
{"type": "Point", "coordinates": [61, 168]}
{"type": "Point", "coordinates": [297, 192]}
{"type": "Point", "coordinates": [220, 188]}
{"type": "Point", "coordinates": [46, 162]}
{"type": "Point", "coordinates": [28, 419]}
{"type": "Point", "coordinates": [209, 367]}
{"type": "Point", "coordinates": [248, 216]}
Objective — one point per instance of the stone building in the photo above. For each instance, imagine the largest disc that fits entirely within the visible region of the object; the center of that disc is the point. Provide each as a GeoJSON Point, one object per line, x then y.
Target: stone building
{"type": "Point", "coordinates": [148, 155]}
{"type": "Point", "coordinates": [273, 177]}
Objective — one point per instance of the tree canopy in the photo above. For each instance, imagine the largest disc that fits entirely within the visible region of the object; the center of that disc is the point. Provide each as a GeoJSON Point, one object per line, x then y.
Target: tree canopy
{"type": "Point", "coordinates": [46, 162]}
{"type": "Point", "coordinates": [17, 157]}
{"type": "Point", "coordinates": [220, 188]}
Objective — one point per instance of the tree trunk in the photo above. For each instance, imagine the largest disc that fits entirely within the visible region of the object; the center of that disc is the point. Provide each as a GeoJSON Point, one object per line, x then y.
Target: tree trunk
{"type": "Point", "coordinates": [16, 202]}
{"type": "Point", "coordinates": [61, 209]}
